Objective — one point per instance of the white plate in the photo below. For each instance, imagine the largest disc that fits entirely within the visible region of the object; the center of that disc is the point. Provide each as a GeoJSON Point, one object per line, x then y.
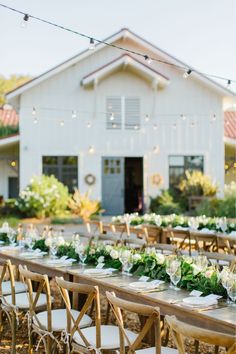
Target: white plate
{"type": "Point", "coordinates": [97, 271]}
{"type": "Point", "coordinates": [199, 301]}
{"type": "Point", "coordinates": [141, 285]}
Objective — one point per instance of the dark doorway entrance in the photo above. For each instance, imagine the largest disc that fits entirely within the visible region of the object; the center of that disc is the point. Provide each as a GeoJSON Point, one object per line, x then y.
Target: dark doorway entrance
{"type": "Point", "coordinates": [133, 184]}
{"type": "Point", "coordinates": [13, 187]}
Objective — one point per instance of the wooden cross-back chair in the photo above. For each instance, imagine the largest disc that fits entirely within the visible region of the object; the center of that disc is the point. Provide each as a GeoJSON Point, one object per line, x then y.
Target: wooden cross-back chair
{"type": "Point", "coordinates": [95, 338]}
{"type": "Point", "coordinates": [221, 259]}
{"type": "Point", "coordinates": [205, 242]}
{"type": "Point", "coordinates": [49, 325]}
{"type": "Point", "coordinates": [38, 300]}
{"type": "Point", "coordinates": [180, 239]}
{"type": "Point", "coordinates": [151, 316]}
{"type": "Point", "coordinates": [180, 329]}
{"type": "Point", "coordinates": [10, 291]}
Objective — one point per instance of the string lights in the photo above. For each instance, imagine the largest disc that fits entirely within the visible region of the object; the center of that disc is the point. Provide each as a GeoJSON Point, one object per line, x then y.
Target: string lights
{"type": "Point", "coordinates": [73, 114]}
{"type": "Point", "coordinates": [92, 41]}
{"type": "Point", "coordinates": [24, 21]}
{"type": "Point", "coordinates": [187, 73]}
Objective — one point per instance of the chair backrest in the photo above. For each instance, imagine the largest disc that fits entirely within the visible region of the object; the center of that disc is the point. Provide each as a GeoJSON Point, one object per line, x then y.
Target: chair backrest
{"type": "Point", "coordinates": [204, 241]}
{"type": "Point", "coordinates": [41, 282]}
{"type": "Point", "coordinates": [8, 273]}
{"type": "Point", "coordinates": [73, 324]}
{"type": "Point", "coordinates": [151, 314]}
{"type": "Point", "coordinates": [181, 329]}
{"type": "Point", "coordinates": [229, 258]}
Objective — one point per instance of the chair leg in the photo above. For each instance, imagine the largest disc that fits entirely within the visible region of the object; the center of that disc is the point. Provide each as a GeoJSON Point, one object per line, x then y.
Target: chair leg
{"type": "Point", "coordinates": [107, 313]}
{"type": "Point", "coordinates": [13, 333]}
{"type": "Point", "coordinates": [216, 349]}
{"type": "Point", "coordinates": [196, 344]}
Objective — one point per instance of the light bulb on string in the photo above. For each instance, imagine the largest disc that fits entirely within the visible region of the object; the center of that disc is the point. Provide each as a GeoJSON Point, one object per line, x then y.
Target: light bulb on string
{"type": "Point", "coordinates": [91, 149]}
{"type": "Point", "coordinates": [73, 114]}
{"type": "Point", "coordinates": [89, 125]}
{"type": "Point", "coordinates": [24, 22]}
{"type": "Point", "coordinates": [228, 84]}
{"type": "Point", "coordinates": [174, 126]}
{"type": "Point", "coordinates": [148, 59]}
{"type": "Point", "coordinates": [35, 120]}
{"type": "Point", "coordinates": [187, 73]}
{"type": "Point", "coordinates": [62, 123]}
{"type": "Point", "coordinates": [213, 118]}
{"type": "Point", "coordinates": [112, 116]}
{"type": "Point", "coordinates": [147, 118]}
{"type": "Point", "coordinates": [192, 125]}
{"type": "Point", "coordinates": [155, 126]}
{"type": "Point", "coordinates": [33, 111]}
{"type": "Point", "coordinates": [136, 127]}
{"type": "Point", "coordinates": [156, 149]}
{"type": "Point", "coordinates": [91, 44]}
{"type": "Point", "coordinates": [114, 125]}
{"type": "Point", "coordinates": [183, 116]}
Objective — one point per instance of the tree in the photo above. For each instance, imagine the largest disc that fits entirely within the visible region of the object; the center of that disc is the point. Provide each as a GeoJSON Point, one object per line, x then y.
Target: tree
{"type": "Point", "coordinates": [8, 84]}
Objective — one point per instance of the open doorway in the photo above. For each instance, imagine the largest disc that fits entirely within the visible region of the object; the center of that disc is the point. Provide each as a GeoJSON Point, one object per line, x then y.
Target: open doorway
{"type": "Point", "coordinates": [133, 184]}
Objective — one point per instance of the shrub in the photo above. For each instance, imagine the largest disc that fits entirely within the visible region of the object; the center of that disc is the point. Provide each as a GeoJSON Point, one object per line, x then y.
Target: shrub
{"type": "Point", "coordinates": [44, 196]}
{"type": "Point", "coordinates": [83, 206]}
{"type": "Point", "coordinates": [197, 184]}
{"type": "Point", "coordinates": [230, 190]}
{"type": "Point", "coordinates": [218, 207]}
{"type": "Point", "coordinates": [164, 204]}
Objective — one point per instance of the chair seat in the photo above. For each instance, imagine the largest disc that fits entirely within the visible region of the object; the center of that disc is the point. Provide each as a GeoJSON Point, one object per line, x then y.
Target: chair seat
{"type": "Point", "coordinates": [59, 319]}
{"type": "Point", "coordinates": [22, 300]}
{"type": "Point", "coordinates": [19, 287]}
{"type": "Point", "coordinates": [152, 350]}
{"type": "Point", "coordinates": [110, 338]}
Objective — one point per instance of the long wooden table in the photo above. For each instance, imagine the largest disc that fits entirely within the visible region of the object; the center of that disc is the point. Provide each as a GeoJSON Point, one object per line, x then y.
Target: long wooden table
{"type": "Point", "coordinates": [222, 318]}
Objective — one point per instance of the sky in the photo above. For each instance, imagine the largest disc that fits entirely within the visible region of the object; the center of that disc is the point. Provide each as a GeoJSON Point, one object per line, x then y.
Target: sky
{"type": "Point", "coordinates": [202, 33]}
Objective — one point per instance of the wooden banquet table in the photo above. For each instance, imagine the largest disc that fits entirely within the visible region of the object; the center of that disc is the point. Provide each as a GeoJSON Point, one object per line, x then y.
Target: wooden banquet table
{"type": "Point", "coordinates": [222, 318]}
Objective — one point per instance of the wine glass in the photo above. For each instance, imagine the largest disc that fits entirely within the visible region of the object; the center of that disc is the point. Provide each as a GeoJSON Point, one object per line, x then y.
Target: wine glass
{"type": "Point", "coordinates": [29, 242]}
{"type": "Point", "coordinates": [53, 247]}
{"type": "Point", "coordinates": [176, 277]}
{"type": "Point", "coordinates": [171, 266]}
{"type": "Point", "coordinates": [11, 237]}
{"type": "Point", "coordinates": [232, 291]}
{"type": "Point", "coordinates": [228, 281]}
{"type": "Point", "coordinates": [223, 224]}
{"type": "Point", "coordinates": [201, 261]}
{"type": "Point", "coordinates": [126, 266]}
{"type": "Point", "coordinates": [81, 250]}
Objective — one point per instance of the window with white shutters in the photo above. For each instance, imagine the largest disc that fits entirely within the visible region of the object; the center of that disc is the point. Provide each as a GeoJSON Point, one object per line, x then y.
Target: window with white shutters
{"type": "Point", "coordinates": [114, 113]}
{"type": "Point", "coordinates": [132, 113]}
{"type": "Point", "coordinates": [123, 113]}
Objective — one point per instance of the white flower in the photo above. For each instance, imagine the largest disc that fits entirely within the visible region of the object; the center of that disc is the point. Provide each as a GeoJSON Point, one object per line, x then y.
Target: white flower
{"type": "Point", "coordinates": [48, 242]}
{"type": "Point", "coordinates": [114, 254]}
{"type": "Point", "coordinates": [160, 258]}
{"type": "Point", "coordinates": [60, 241]}
{"type": "Point", "coordinates": [5, 228]}
{"type": "Point", "coordinates": [188, 259]}
{"type": "Point", "coordinates": [209, 273]}
{"type": "Point", "coordinates": [108, 248]}
{"type": "Point", "coordinates": [92, 251]}
{"type": "Point", "coordinates": [196, 269]}
{"type": "Point", "coordinates": [101, 259]}
{"type": "Point", "coordinates": [136, 257]}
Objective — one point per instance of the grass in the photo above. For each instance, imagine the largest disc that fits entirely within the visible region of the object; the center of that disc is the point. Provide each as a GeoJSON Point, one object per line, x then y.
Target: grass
{"type": "Point", "coordinates": [13, 221]}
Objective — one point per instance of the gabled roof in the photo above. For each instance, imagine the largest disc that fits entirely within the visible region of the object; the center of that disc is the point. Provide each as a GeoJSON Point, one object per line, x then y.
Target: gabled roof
{"type": "Point", "coordinates": [8, 117]}
{"type": "Point", "coordinates": [125, 62]}
{"type": "Point", "coordinates": [123, 33]}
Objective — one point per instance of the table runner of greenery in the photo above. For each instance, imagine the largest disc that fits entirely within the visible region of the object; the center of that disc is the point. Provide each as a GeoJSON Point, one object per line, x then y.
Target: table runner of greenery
{"type": "Point", "coordinates": [194, 276]}
{"type": "Point", "coordinates": [194, 223]}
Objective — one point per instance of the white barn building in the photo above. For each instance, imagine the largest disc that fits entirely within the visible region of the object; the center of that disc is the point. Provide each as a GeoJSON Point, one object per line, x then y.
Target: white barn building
{"type": "Point", "coordinates": [112, 119]}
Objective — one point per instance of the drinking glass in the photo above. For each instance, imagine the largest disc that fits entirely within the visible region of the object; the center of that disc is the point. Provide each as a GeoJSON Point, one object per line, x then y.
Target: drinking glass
{"type": "Point", "coordinates": [53, 248]}
{"type": "Point", "coordinates": [176, 277]}
{"type": "Point", "coordinates": [11, 237]}
{"type": "Point", "coordinates": [232, 291]}
{"type": "Point", "coordinates": [201, 261]}
{"type": "Point", "coordinates": [172, 264]}
{"type": "Point", "coordinates": [126, 266]}
{"type": "Point", "coordinates": [223, 224]}
{"type": "Point", "coordinates": [29, 242]}
{"type": "Point", "coordinates": [228, 282]}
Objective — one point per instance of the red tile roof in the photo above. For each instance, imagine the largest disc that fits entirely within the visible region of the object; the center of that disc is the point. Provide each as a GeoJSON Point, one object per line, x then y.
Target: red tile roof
{"type": "Point", "coordinates": [230, 124]}
{"type": "Point", "coordinates": [8, 117]}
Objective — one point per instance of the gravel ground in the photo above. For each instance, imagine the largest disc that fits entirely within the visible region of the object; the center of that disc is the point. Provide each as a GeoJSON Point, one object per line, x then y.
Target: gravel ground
{"type": "Point", "coordinates": [131, 321]}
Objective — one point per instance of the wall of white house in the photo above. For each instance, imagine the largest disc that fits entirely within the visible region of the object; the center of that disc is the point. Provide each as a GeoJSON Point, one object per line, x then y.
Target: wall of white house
{"type": "Point", "coordinates": [63, 92]}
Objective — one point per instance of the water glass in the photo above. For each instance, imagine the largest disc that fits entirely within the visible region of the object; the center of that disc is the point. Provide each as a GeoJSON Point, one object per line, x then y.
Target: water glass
{"type": "Point", "coordinates": [53, 248]}
{"type": "Point", "coordinates": [126, 267]}
{"type": "Point", "coordinates": [11, 237]}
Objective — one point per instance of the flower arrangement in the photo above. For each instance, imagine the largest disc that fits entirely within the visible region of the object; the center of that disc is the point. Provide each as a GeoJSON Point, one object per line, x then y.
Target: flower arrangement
{"type": "Point", "coordinates": [173, 220]}
{"type": "Point", "coordinates": [196, 273]}
{"type": "Point", "coordinates": [83, 206]}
